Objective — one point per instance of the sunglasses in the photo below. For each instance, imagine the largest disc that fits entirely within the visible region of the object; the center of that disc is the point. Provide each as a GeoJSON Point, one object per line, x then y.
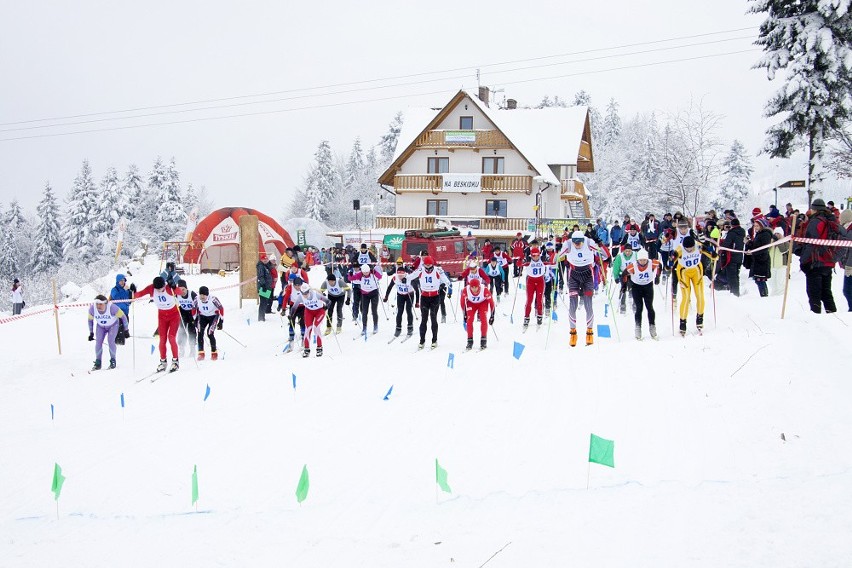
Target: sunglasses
{"type": "Point", "coordinates": [578, 241]}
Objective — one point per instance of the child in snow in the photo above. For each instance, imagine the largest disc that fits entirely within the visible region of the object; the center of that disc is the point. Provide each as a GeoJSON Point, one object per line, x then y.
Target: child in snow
{"type": "Point", "coordinates": [209, 316]}
{"type": "Point", "coordinates": [106, 316]}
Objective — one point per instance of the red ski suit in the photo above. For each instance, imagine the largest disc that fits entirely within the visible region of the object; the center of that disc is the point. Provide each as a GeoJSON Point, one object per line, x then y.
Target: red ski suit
{"type": "Point", "coordinates": [477, 304]}
{"type": "Point", "coordinates": [168, 315]}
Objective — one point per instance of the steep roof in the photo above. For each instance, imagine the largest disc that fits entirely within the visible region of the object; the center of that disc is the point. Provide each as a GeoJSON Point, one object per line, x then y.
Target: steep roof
{"type": "Point", "coordinates": [544, 137]}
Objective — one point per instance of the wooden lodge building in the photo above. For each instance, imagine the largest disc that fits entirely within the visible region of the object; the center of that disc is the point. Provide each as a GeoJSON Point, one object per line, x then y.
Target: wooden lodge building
{"type": "Point", "coordinates": [470, 165]}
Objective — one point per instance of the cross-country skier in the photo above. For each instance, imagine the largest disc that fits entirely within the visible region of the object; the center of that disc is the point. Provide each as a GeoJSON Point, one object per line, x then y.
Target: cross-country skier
{"type": "Point", "coordinates": [580, 253]}
{"type": "Point", "coordinates": [210, 316]}
{"type": "Point", "coordinates": [633, 238]}
{"type": "Point", "coordinates": [496, 275]}
{"type": "Point", "coordinates": [106, 316]}
{"type": "Point", "coordinates": [431, 279]}
{"type": "Point", "coordinates": [642, 274]}
{"type": "Point", "coordinates": [186, 303]}
{"type": "Point", "coordinates": [368, 279]}
{"type": "Point", "coordinates": [314, 305]}
{"type": "Point", "coordinates": [168, 318]}
{"type": "Point", "coordinates": [404, 299]}
{"type": "Point", "coordinates": [338, 292]}
{"type": "Point", "coordinates": [619, 273]}
{"type": "Point", "coordinates": [518, 246]}
{"type": "Point", "coordinates": [473, 270]}
{"type": "Point", "coordinates": [535, 269]}
{"type": "Point", "coordinates": [476, 300]}
{"type": "Point", "coordinates": [690, 273]}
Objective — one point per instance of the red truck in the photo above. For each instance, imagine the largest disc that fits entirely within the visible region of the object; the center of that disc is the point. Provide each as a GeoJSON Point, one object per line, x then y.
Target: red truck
{"type": "Point", "coordinates": [449, 249]}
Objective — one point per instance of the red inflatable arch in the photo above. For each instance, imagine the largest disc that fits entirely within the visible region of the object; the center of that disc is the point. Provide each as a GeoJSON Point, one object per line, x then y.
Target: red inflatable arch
{"type": "Point", "coordinates": [216, 239]}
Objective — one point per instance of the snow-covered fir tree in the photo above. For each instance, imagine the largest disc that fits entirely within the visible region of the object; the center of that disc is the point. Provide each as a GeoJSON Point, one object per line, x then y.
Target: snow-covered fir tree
{"type": "Point", "coordinates": [321, 184]}
{"type": "Point", "coordinates": [8, 257]}
{"type": "Point", "coordinates": [190, 198]}
{"type": "Point", "coordinates": [108, 212]}
{"type": "Point", "coordinates": [736, 180]}
{"type": "Point", "coordinates": [131, 192]}
{"type": "Point", "coordinates": [547, 102]}
{"type": "Point", "coordinates": [811, 40]}
{"type": "Point", "coordinates": [14, 218]}
{"type": "Point", "coordinates": [354, 166]}
{"type": "Point", "coordinates": [611, 124]}
{"type": "Point", "coordinates": [171, 217]}
{"type": "Point", "coordinates": [390, 138]}
{"type": "Point", "coordinates": [47, 253]}
{"type": "Point", "coordinates": [582, 98]}
{"type": "Point", "coordinates": [78, 238]}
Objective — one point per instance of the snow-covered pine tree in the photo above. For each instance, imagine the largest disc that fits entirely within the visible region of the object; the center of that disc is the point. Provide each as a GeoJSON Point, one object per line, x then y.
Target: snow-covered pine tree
{"type": "Point", "coordinates": [582, 98]}
{"type": "Point", "coordinates": [736, 180]}
{"type": "Point", "coordinates": [322, 184]}
{"type": "Point", "coordinates": [547, 102]}
{"type": "Point", "coordinates": [14, 219]}
{"type": "Point", "coordinates": [47, 254]}
{"type": "Point", "coordinates": [108, 205]}
{"type": "Point", "coordinates": [171, 217]}
{"type": "Point", "coordinates": [190, 198]}
{"type": "Point", "coordinates": [812, 41]}
{"type": "Point", "coordinates": [78, 239]}
{"type": "Point", "coordinates": [204, 203]}
{"type": "Point", "coordinates": [8, 257]}
{"type": "Point", "coordinates": [611, 124]}
{"type": "Point", "coordinates": [354, 166]}
{"type": "Point", "coordinates": [391, 137]}
{"type": "Point", "coordinates": [131, 192]}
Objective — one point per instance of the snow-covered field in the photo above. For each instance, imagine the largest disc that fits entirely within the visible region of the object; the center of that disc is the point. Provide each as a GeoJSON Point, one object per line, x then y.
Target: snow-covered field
{"type": "Point", "coordinates": [702, 477]}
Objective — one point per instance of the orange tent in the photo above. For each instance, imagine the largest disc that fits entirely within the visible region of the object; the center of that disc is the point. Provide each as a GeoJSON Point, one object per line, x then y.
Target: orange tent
{"type": "Point", "coordinates": [216, 239]}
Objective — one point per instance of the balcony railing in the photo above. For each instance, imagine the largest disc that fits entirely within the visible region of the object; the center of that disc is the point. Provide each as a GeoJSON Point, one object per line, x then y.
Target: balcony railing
{"type": "Point", "coordinates": [432, 183]}
{"type": "Point", "coordinates": [483, 139]}
{"type": "Point", "coordinates": [428, 222]}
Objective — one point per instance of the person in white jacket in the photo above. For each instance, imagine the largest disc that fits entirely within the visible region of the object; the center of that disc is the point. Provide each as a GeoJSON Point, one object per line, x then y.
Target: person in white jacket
{"type": "Point", "coordinates": [17, 297]}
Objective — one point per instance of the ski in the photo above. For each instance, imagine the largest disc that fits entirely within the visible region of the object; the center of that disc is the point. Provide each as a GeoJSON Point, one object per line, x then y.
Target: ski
{"type": "Point", "coordinates": [406, 338]}
{"type": "Point", "coordinates": [392, 339]}
{"type": "Point", "coordinates": [156, 376]}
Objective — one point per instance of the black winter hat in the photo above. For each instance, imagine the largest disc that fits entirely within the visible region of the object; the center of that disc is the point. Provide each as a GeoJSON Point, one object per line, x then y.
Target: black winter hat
{"type": "Point", "coordinates": [159, 282]}
{"type": "Point", "coordinates": [688, 242]}
{"type": "Point", "coordinates": [182, 283]}
{"type": "Point", "coordinates": [818, 204]}
{"type": "Point", "coordinates": [204, 291]}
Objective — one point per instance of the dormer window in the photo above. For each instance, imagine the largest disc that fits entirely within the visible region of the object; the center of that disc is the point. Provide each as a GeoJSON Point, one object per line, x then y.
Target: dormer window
{"type": "Point", "coordinates": [465, 123]}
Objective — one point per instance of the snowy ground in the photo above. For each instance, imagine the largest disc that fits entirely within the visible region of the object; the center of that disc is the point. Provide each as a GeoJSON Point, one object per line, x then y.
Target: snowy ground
{"type": "Point", "coordinates": [702, 477]}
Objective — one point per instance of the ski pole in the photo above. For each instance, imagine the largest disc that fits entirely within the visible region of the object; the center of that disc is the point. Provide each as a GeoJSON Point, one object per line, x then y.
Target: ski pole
{"type": "Point", "coordinates": [512, 313]}
{"type": "Point", "coordinates": [232, 337]}
{"type": "Point", "coordinates": [713, 291]}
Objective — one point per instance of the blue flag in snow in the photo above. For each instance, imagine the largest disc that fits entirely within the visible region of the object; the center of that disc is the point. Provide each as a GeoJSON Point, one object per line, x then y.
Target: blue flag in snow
{"type": "Point", "coordinates": [294, 381]}
{"type": "Point", "coordinates": [518, 350]}
{"type": "Point", "coordinates": [451, 360]}
{"type": "Point", "coordinates": [603, 331]}
{"type": "Point", "coordinates": [606, 310]}
{"type": "Point", "coordinates": [152, 349]}
{"type": "Point", "coordinates": [390, 390]}
{"type": "Point", "coordinates": [51, 411]}
{"type": "Point", "coordinates": [207, 392]}
{"type": "Point", "coordinates": [464, 325]}
{"type": "Point", "coordinates": [554, 316]}
{"type": "Point", "coordinates": [248, 321]}
{"type": "Point", "coordinates": [122, 400]}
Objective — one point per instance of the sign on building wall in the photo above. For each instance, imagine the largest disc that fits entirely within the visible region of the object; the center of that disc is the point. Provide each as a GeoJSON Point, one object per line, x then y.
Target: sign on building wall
{"type": "Point", "coordinates": [460, 136]}
{"type": "Point", "coordinates": [462, 183]}
{"type": "Point", "coordinates": [300, 237]}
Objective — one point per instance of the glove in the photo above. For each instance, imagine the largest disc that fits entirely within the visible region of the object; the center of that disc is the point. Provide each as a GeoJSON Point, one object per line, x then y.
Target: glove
{"type": "Point", "coordinates": [385, 300]}
{"type": "Point", "coordinates": [449, 294]}
{"type": "Point", "coordinates": [133, 287]}
{"type": "Point", "coordinates": [220, 324]}
{"type": "Point", "coordinates": [491, 319]}
{"type": "Point", "coordinates": [126, 334]}
{"type": "Point", "coordinates": [348, 301]}
{"type": "Point", "coordinates": [91, 337]}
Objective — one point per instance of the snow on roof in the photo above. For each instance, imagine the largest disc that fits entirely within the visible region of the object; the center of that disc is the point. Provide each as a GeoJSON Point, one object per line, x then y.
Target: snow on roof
{"type": "Point", "coordinates": [548, 136]}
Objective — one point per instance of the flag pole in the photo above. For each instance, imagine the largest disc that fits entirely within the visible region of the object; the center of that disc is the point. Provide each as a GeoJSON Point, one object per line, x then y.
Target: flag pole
{"type": "Point", "coordinates": [588, 474]}
{"type": "Point", "coordinates": [789, 263]}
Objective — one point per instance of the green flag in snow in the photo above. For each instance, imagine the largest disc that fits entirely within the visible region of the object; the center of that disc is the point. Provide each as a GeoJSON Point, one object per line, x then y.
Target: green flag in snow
{"type": "Point", "coordinates": [58, 480]}
{"type": "Point", "coordinates": [304, 485]}
{"type": "Point", "coordinates": [601, 451]}
{"type": "Point", "coordinates": [441, 477]}
{"type": "Point", "coordinates": [194, 484]}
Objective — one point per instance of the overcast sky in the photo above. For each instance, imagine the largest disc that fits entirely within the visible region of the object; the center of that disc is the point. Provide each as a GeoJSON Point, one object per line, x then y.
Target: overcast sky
{"type": "Point", "coordinates": [60, 59]}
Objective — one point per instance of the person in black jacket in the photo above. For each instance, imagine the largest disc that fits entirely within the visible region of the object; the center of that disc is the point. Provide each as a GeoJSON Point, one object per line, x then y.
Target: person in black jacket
{"type": "Point", "coordinates": [734, 239]}
{"type": "Point", "coordinates": [265, 285]}
{"type": "Point", "coordinates": [760, 263]}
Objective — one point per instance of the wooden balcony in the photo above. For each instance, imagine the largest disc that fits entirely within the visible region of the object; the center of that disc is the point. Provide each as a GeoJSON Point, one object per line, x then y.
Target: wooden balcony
{"type": "Point", "coordinates": [484, 139]}
{"type": "Point", "coordinates": [432, 183]}
{"type": "Point", "coordinates": [428, 222]}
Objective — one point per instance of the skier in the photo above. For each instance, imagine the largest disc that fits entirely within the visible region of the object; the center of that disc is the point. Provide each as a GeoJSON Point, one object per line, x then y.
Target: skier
{"type": "Point", "coordinates": [503, 261]}
{"type": "Point", "coordinates": [314, 305]}
{"type": "Point", "coordinates": [404, 299]}
{"type": "Point", "coordinates": [444, 292]}
{"type": "Point", "coordinates": [107, 317]}
{"type": "Point", "coordinates": [186, 303]}
{"type": "Point", "coordinates": [209, 317]}
{"type": "Point", "coordinates": [170, 275]}
{"type": "Point", "coordinates": [580, 252]}
{"type": "Point", "coordinates": [487, 252]}
{"type": "Point", "coordinates": [518, 246]}
{"type": "Point", "coordinates": [475, 301]}
{"type": "Point", "coordinates": [368, 278]}
{"type": "Point", "coordinates": [337, 291]}
{"type": "Point", "coordinates": [289, 296]}
{"type": "Point", "coordinates": [535, 271]}
{"type": "Point", "coordinates": [496, 276]}
{"type": "Point", "coordinates": [632, 238]}
{"type": "Point", "coordinates": [473, 270]}
{"type": "Point", "coordinates": [365, 256]}
{"type": "Point", "coordinates": [690, 272]}
{"type": "Point", "coordinates": [168, 318]}
{"type": "Point", "coordinates": [619, 273]}
{"type": "Point", "coordinates": [431, 279]}
{"type": "Point", "coordinates": [121, 294]}
{"type": "Point", "coordinates": [642, 274]}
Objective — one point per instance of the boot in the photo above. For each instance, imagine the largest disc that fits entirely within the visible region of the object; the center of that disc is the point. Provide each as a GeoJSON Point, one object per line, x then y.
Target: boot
{"type": "Point", "coordinates": [214, 356]}
{"type": "Point", "coordinates": [526, 322]}
{"type": "Point", "coordinates": [410, 331]}
{"type": "Point", "coordinates": [573, 338]}
{"type": "Point", "coordinates": [319, 351]}
{"type": "Point", "coordinates": [638, 333]}
{"type": "Point", "coordinates": [469, 344]}
{"type": "Point", "coordinates": [483, 343]}
{"type": "Point", "coordinates": [652, 329]}
{"type": "Point", "coordinates": [699, 321]}
{"type": "Point", "coordinates": [538, 320]}
{"type": "Point", "coordinates": [327, 330]}
{"type": "Point", "coordinates": [175, 366]}
{"type": "Point", "coordinates": [162, 366]}
{"type": "Point", "coordinates": [547, 312]}
{"type": "Point", "coordinates": [201, 355]}
{"type": "Point", "coordinates": [434, 344]}
{"type": "Point", "coordinates": [339, 328]}
{"type": "Point", "coordinates": [306, 352]}
{"type": "Point", "coordinates": [590, 336]}
{"type": "Point", "coordinates": [682, 327]}
{"type": "Point", "coordinates": [97, 365]}
{"type": "Point", "coordinates": [375, 329]}
{"type": "Point", "coordinates": [443, 319]}
{"type": "Point", "coordinates": [421, 344]}
{"type": "Point", "coordinates": [119, 339]}
{"type": "Point", "coordinates": [397, 332]}
{"type": "Point", "coordinates": [112, 363]}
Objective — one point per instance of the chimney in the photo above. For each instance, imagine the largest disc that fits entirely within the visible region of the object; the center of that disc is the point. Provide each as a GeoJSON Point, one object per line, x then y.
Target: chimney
{"type": "Point", "coordinates": [511, 104]}
{"type": "Point", "coordinates": [483, 95]}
